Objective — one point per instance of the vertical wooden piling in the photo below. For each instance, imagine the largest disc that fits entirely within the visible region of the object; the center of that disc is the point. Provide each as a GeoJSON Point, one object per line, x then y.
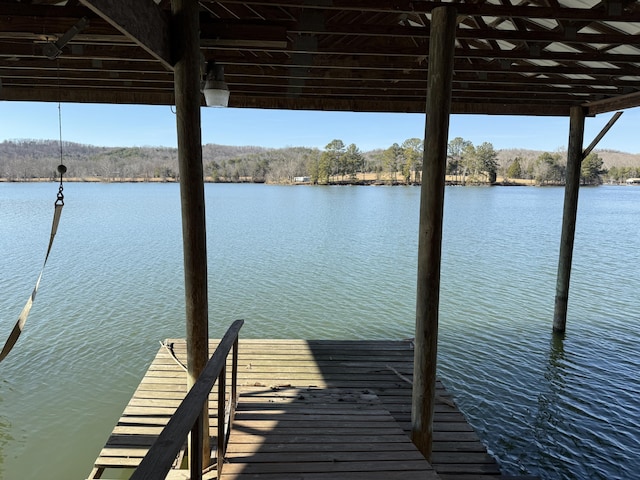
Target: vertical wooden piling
{"type": "Point", "coordinates": [569, 215]}
{"type": "Point", "coordinates": [187, 74]}
{"type": "Point", "coordinates": [441, 56]}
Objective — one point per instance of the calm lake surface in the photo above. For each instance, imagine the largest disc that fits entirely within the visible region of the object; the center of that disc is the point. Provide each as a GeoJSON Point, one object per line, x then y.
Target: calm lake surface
{"type": "Point", "coordinates": [328, 262]}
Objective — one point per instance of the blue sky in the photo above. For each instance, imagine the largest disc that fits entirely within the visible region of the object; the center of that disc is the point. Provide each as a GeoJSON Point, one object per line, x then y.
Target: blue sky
{"type": "Point", "coordinates": [127, 125]}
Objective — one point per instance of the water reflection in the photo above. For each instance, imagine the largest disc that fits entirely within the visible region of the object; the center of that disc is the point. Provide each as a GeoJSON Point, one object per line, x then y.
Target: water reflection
{"type": "Point", "coordinates": [549, 418]}
{"type": "Point", "coordinates": [555, 366]}
{"type": "Point", "coordinates": [551, 396]}
{"type": "Point", "coordinates": [5, 437]}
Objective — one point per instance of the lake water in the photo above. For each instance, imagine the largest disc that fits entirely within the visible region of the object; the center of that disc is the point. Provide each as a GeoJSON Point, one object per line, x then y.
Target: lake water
{"type": "Point", "coordinates": [328, 262]}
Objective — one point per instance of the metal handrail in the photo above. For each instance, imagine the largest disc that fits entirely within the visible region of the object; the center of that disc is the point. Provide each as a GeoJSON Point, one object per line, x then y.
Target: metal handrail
{"type": "Point", "coordinates": [187, 417]}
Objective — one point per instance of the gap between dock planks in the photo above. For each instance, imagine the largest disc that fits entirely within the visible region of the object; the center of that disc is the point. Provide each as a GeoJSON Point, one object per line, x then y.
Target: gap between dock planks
{"type": "Point", "coordinates": [325, 409]}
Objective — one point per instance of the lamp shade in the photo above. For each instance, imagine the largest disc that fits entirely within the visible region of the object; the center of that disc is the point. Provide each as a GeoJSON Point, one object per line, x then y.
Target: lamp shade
{"type": "Point", "coordinates": [215, 90]}
{"type": "Point", "coordinates": [216, 94]}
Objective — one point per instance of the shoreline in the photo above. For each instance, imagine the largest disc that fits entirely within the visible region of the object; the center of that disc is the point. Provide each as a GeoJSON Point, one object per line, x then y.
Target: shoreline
{"type": "Point", "coordinates": [364, 183]}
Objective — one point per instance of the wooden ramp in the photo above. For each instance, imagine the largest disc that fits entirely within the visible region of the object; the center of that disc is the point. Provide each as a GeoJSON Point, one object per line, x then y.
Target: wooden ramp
{"type": "Point", "coordinates": [308, 410]}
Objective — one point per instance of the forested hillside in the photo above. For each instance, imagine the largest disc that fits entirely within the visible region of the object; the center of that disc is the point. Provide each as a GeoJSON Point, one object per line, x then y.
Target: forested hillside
{"type": "Point", "coordinates": [25, 160]}
{"type": "Point", "coordinates": [31, 159]}
{"type": "Point", "coordinates": [28, 160]}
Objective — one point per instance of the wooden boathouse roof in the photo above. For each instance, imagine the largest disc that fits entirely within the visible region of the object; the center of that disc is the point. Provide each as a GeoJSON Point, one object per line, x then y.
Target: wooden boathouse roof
{"type": "Point", "coordinates": [530, 57]}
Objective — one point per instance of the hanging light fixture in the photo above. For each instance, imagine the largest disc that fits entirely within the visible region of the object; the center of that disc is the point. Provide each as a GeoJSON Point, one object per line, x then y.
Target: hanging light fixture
{"type": "Point", "coordinates": [215, 90]}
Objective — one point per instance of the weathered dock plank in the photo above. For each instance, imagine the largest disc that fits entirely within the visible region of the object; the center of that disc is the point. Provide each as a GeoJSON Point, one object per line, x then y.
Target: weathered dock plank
{"type": "Point", "coordinates": [309, 409]}
{"type": "Point", "coordinates": [289, 440]}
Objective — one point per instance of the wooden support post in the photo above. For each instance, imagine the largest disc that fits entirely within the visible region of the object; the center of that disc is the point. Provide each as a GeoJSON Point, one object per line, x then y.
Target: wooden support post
{"type": "Point", "coordinates": [188, 100]}
{"type": "Point", "coordinates": [441, 56]}
{"type": "Point", "coordinates": [569, 214]}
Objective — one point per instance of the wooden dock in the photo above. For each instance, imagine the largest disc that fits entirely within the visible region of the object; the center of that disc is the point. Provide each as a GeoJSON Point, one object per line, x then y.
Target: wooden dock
{"type": "Point", "coordinates": [308, 410]}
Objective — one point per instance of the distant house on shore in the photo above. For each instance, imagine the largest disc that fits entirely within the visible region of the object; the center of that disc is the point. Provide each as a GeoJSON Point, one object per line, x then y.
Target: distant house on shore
{"type": "Point", "coordinates": [301, 179]}
{"type": "Point", "coordinates": [633, 181]}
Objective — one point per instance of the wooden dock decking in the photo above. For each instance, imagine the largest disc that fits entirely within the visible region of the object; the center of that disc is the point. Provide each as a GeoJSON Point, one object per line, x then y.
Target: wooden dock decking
{"type": "Point", "coordinates": [308, 410]}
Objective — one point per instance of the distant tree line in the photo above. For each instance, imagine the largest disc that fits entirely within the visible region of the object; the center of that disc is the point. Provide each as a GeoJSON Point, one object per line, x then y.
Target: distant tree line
{"type": "Point", "coordinates": [621, 174]}
{"type": "Point", "coordinates": [400, 163]}
{"type": "Point", "coordinates": [479, 164]}
{"type": "Point", "coordinates": [26, 160]}
{"type": "Point", "coordinates": [551, 168]}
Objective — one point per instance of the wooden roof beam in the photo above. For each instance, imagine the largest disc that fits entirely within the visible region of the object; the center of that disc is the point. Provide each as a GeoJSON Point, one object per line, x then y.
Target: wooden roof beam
{"type": "Point", "coordinates": [388, 106]}
{"type": "Point", "coordinates": [88, 74]}
{"type": "Point", "coordinates": [113, 66]}
{"type": "Point", "coordinates": [410, 31]}
{"type": "Point", "coordinates": [131, 96]}
{"type": "Point", "coordinates": [473, 9]}
{"type": "Point", "coordinates": [610, 104]}
{"type": "Point", "coordinates": [84, 95]}
{"type": "Point", "coordinates": [397, 78]}
{"type": "Point", "coordinates": [403, 95]}
{"type": "Point", "coordinates": [142, 21]}
{"type": "Point", "coordinates": [235, 61]}
{"type": "Point", "coordinates": [397, 47]}
{"type": "Point", "coordinates": [125, 52]}
{"type": "Point", "coordinates": [51, 80]}
{"type": "Point", "coordinates": [312, 86]}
